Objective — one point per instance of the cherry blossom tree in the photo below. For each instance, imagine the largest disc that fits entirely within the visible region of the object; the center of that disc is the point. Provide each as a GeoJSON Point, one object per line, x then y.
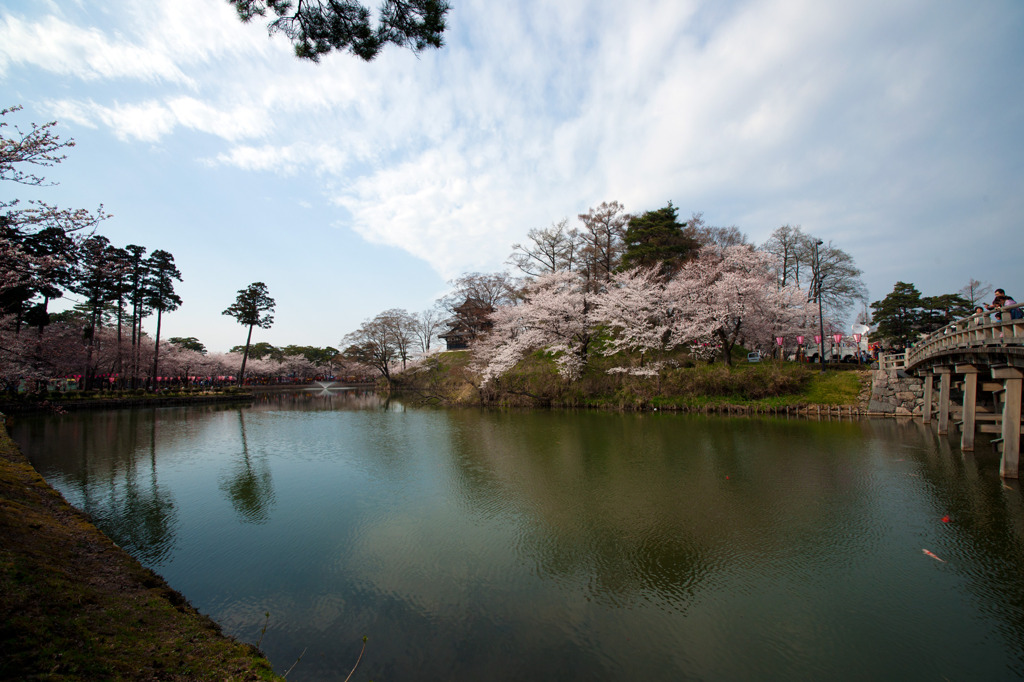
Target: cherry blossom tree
{"type": "Point", "coordinates": [730, 296]}
{"type": "Point", "coordinates": [556, 316]}
{"type": "Point", "coordinates": [637, 312]}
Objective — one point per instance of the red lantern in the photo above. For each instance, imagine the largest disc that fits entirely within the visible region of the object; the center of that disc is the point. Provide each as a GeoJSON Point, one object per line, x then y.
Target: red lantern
{"type": "Point", "coordinates": [800, 340]}
{"type": "Point", "coordinates": [837, 338]}
{"type": "Point", "coordinates": [817, 338]}
{"type": "Point", "coordinates": [778, 340]}
{"type": "Point", "coordinates": [858, 337]}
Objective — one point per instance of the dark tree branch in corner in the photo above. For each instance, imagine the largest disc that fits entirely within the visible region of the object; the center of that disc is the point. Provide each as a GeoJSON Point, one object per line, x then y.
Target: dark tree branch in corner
{"type": "Point", "coordinates": [316, 27]}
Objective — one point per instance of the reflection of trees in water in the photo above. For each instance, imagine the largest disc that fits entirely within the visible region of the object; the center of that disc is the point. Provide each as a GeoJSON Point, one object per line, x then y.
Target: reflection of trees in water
{"type": "Point", "coordinates": [146, 514]}
{"type": "Point", "coordinates": [320, 400]}
{"type": "Point", "coordinates": [248, 485]}
{"type": "Point", "coordinates": [640, 510]}
{"type": "Point", "coordinates": [125, 500]}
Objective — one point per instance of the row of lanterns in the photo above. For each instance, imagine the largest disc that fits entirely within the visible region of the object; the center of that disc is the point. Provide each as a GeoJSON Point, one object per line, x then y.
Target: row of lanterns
{"type": "Point", "coordinates": [838, 338]}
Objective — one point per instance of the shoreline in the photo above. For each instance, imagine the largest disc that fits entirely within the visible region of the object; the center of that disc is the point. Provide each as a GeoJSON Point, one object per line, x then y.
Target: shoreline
{"type": "Point", "coordinates": [74, 605]}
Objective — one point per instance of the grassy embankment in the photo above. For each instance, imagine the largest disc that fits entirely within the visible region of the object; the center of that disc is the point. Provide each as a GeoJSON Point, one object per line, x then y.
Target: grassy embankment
{"type": "Point", "coordinates": [73, 605]}
{"type": "Point", "coordinates": [18, 402]}
{"type": "Point", "coordinates": [448, 379]}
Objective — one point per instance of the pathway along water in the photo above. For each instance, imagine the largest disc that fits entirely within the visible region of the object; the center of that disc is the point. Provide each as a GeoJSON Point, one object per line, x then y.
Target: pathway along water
{"type": "Point", "coordinates": [561, 545]}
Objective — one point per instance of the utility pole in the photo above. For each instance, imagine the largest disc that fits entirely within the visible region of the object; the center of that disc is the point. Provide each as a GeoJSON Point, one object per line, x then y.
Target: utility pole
{"type": "Point", "coordinates": [821, 321]}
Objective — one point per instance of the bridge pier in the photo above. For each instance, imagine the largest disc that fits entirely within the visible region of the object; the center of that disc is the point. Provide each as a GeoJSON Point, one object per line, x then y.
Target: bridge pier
{"type": "Point", "coordinates": [945, 381]}
{"type": "Point", "coordinates": [970, 373]}
{"type": "Point", "coordinates": [1012, 377]}
{"type": "Point", "coordinates": [926, 409]}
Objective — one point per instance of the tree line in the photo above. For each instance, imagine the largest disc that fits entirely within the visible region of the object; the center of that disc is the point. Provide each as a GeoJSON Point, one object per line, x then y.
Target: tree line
{"type": "Point", "coordinates": [637, 286]}
{"type": "Point", "coordinates": [47, 251]}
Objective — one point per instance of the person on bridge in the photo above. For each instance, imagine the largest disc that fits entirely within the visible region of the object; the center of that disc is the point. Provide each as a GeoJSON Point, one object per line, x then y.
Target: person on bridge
{"type": "Point", "coordinates": [1001, 300]}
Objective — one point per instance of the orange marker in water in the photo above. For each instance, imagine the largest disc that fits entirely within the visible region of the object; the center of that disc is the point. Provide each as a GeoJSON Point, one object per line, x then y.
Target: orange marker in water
{"type": "Point", "coordinates": [932, 555]}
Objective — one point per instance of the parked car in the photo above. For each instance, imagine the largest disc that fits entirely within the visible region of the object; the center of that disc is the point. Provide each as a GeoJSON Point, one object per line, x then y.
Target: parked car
{"type": "Point", "coordinates": [753, 357]}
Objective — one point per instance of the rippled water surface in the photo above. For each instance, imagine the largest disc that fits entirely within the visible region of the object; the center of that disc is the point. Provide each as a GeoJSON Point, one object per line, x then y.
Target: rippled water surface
{"type": "Point", "coordinates": [477, 545]}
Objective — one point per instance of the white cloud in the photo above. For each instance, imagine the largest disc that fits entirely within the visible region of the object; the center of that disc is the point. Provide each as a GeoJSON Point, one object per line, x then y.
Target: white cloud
{"type": "Point", "coordinates": [83, 52]}
{"type": "Point", "coordinates": [287, 160]}
{"type": "Point", "coordinates": [846, 118]}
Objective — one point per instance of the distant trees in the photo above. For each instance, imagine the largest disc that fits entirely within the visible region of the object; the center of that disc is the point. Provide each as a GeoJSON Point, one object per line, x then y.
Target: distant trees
{"type": "Point", "coordinates": [43, 254]}
{"type": "Point", "coordinates": [833, 271]}
{"type": "Point", "coordinates": [604, 241]}
{"type": "Point", "coordinates": [253, 307]}
{"type": "Point", "coordinates": [727, 297]}
{"type": "Point", "coordinates": [188, 343]}
{"type": "Point", "coordinates": [632, 285]}
{"type": "Point", "coordinates": [316, 28]}
{"type": "Point", "coordinates": [724, 297]}
{"type": "Point", "coordinates": [975, 292]}
{"type": "Point", "coordinates": [903, 315]}
{"type": "Point", "coordinates": [549, 250]}
{"type": "Point", "coordinates": [372, 344]}
{"type": "Point", "coordinates": [427, 325]}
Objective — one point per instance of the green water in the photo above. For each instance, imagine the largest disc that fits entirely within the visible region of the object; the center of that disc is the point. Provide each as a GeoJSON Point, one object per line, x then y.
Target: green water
{"type": "Point", "coordinates": [486, 545]}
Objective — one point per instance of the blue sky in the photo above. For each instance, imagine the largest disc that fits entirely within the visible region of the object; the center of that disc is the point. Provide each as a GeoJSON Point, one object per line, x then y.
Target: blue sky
{"type": "Point", "coordinates": [892, 129]}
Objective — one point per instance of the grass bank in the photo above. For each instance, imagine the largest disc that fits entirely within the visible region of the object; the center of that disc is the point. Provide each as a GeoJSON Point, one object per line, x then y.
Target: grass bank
{"type": "Point", "coordinates": [95, 399]}
{"type": "Point", "coordinates": [73, 605]}
{"type": "Point", "coordinates": [449, 379]}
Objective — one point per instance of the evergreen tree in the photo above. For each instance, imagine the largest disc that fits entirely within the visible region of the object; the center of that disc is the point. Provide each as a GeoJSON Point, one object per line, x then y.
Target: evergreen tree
{"type": "Point", "coordinates": [657, 238]}
{"type": "Point", "coordinates": [317, 28]}
{"type": "Point", "coordinates": [938, 311]}
{"type": "Point", "coordinates": [159, 293]}
{"type": "Point", "coordinates": [136, 279]}
{"type": "Point", "coordinates": [900, 314]}
{"type": "Point", "coordinates": [253, 307]}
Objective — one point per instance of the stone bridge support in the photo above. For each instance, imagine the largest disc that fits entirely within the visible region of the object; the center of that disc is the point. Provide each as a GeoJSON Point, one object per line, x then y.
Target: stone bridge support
{"type": "Point", "coordinates": [945, 382]}
{"type": "Point", "coordinates": [1006, 389]}
{"type": "Point", "coordinates": [970, 373]}
{"type": "Point", "coordinates": [1012, 379]}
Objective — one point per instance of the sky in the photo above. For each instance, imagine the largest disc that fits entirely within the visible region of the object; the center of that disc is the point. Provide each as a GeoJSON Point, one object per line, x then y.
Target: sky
{"type": "Point", "coordinates": [891, 129]}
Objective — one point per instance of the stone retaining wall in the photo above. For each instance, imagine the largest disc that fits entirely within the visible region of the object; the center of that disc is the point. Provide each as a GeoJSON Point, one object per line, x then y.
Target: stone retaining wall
{"type": "Point", "coordinates": [893, 391]}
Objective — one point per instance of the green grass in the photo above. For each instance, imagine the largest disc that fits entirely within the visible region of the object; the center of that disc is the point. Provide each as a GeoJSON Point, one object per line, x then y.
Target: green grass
{"type": "Point", "coordinates": [833, 388]}
{"type": "Point", "coordinates": [682, 384]}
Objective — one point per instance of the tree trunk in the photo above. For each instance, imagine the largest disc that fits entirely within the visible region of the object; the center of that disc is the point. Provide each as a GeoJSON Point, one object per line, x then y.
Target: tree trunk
{"type": "Point", "coordinates": [245, 356]}
{"type": "Point", "coordinates": [156, 348]}
{"type": "Point", "coordinates": [726, 348]}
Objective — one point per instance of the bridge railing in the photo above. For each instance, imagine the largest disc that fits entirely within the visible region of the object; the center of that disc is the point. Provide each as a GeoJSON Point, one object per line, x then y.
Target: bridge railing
{"type": "Point", "coordinates": [892, 360]}
{"type": "Point", "coordinates": [981, 330]}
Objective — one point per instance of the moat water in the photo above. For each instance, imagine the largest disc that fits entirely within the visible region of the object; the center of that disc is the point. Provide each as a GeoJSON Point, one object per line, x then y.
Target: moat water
{"type": "Point", "coordinates": [560, 545]}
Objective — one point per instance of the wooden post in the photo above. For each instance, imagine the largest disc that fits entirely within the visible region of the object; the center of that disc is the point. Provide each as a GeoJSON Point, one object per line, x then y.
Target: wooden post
{"type": "Point", "coordinates": [944, 382]}
{"type": "Point", "coordinates": [926, 409]}
{"type": "Point", "coordinates": [1011, 376]}
{"type": "Point", "coordinates": [970, 373]}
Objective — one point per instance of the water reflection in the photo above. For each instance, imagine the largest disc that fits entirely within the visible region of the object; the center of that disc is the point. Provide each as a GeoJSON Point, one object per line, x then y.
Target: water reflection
{"type": "Point", "coordinates": [248, 483]}
{"type": "Point", "coordinates": [519, 545]}
{"type": "Point", "coordinates": [120, 490]}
